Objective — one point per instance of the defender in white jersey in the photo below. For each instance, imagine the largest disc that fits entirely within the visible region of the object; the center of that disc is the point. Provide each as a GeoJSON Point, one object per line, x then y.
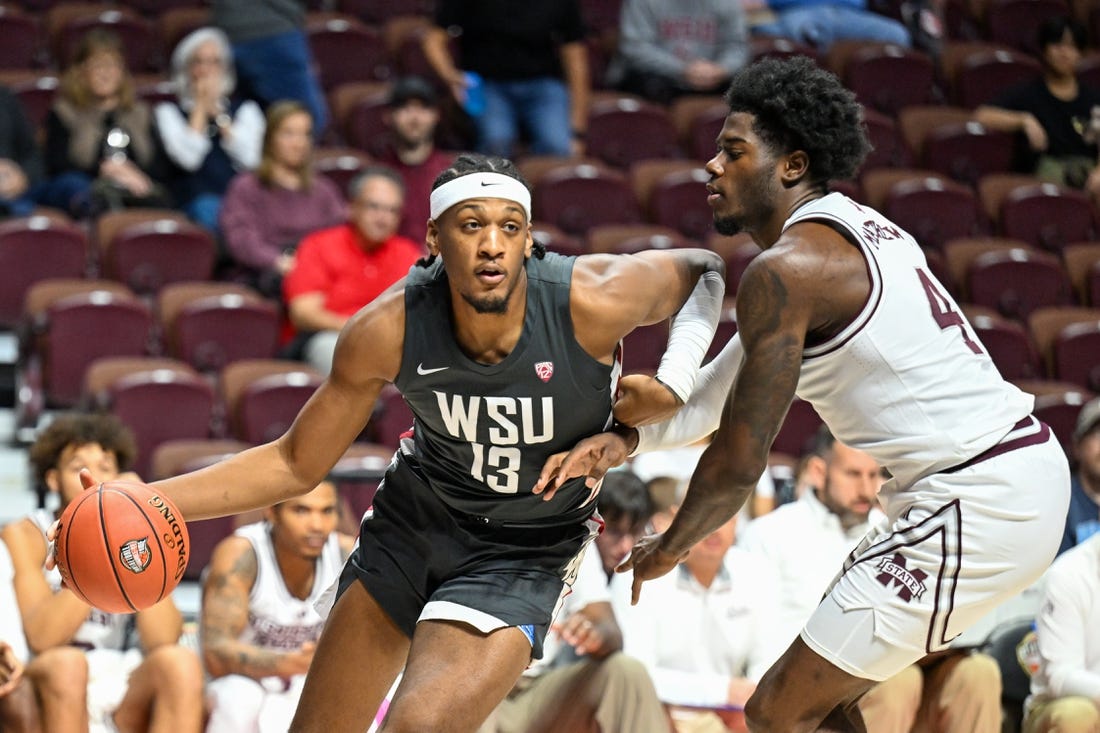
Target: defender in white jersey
{"type": "Point", "coordinates": [259, 625]}
{"type": "Point", "coordinates": [841, 309]}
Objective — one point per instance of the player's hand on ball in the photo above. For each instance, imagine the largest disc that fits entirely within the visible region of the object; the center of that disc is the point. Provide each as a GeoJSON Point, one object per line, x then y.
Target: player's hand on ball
{"type": "Point", "coordinates": [644, 400]}
{"type": "Point", "coordinates": [592, 458]}
{"type": "Point", "coordinates": [648, 561]}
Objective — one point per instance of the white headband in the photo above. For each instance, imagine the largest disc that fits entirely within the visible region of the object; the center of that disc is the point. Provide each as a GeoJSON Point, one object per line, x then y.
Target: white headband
{"type": "Point", "coordinates": [479, 186]}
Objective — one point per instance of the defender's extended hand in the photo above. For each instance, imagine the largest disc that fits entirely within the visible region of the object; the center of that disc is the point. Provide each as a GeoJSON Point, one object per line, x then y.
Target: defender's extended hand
{"type": "Point", "coordinates": [648, 561]}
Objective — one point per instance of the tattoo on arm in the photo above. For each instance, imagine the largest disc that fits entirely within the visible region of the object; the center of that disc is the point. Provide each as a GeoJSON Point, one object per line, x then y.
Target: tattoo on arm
{"type": "Point", "coordinates": [728, 470]}
{"type": "Point", "coordinates": [224, 616]}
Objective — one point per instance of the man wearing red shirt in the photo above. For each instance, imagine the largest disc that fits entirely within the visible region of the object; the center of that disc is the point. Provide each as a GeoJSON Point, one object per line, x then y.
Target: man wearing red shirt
{"type": "Point", "coordinates": [412, 117]}
{"type": "Point", "coordinates": [339, 270]}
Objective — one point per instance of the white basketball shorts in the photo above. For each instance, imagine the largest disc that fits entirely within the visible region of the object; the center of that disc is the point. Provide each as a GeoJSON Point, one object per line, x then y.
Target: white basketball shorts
{"type": "Point", "coordinates": [954, 546]}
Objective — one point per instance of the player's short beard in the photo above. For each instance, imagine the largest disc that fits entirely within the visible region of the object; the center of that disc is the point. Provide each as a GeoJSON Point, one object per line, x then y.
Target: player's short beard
{"type": "Point", "coordinates": [494, 304]}
{"type": "Point", "coordinates": [727, 226]}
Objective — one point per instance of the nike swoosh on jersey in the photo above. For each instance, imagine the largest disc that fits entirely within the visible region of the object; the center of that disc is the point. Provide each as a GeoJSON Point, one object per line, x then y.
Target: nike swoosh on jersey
{"type": "Point", "coordinates": [422, 371]}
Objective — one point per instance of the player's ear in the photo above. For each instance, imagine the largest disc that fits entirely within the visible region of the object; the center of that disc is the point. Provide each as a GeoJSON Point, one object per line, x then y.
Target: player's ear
{"type": "Point", "coordinates": [52, 481]}
{"type": "Point", "coordinates": [431, 239]}
{"type": "Point", "coordinates": [795, 166]}
{"type": "Point", "coordinates": [529, 244]}
{"type": "Point", "coordinates": [816, 471]}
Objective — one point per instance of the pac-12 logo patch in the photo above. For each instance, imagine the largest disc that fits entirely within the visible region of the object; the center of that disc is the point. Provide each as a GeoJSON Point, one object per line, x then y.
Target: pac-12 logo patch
{"type": "Point", "coordinates": [545, 370]}
{"type": "Point", "coordinates": [135, 555]}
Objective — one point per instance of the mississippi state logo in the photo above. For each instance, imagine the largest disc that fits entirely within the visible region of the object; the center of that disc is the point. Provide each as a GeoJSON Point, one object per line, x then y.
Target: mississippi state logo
{"type": "Point", "coordinates": [135, 555]}
{"type": "Point", "coordinates": [893, 573]}
{"type": "Point", "coordinates": [545, 370]}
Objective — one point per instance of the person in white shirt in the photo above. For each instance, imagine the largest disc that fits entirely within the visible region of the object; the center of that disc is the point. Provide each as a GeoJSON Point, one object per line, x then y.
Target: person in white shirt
{"type": "Point", "coordinates": [1065, 690]}
{"type": "Point", "coordinates": [708, 633]}
{"type": "Point", "coordinates": [830, 519]}
{"type": "Point", "coordinates": [208, 134]}
{"type": "Point", "coordinates": [259, 624]}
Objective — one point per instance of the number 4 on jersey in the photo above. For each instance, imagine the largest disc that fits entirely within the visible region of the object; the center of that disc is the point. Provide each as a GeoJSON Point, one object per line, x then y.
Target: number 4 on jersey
{"type": "Point", "coordinates": [943, 313]}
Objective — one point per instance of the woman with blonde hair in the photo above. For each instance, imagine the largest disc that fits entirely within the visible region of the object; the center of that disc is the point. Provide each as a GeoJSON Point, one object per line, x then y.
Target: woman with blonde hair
{"type": "Point", "coordinates": [265, 213]}
{"type": "Point", "coordinates": [100, 146]}
{"type": "Point", "coordinates": [208, 135]}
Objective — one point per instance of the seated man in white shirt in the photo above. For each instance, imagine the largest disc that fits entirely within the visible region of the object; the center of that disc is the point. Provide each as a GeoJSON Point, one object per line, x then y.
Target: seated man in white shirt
{"type": "Point", "coordinates": [705, 631]}
{"type": "Point", "coordinates": [1065, 690]}
{"type": "Point", "coordinates": [807, 541]}
{"type": "Point", "coordinates": [583, 677]}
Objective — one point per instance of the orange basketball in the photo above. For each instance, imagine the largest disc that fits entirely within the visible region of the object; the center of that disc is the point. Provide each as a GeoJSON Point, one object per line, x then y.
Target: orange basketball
{"type": "Point", "coordinates": [121, 547]}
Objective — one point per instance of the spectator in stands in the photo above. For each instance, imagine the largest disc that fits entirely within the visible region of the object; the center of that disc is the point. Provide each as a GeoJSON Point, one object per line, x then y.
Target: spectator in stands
{"type": "Point", "coordinates": [412, 117]}
{"type": "Point", "coordinates": [1083, 518]}
{"type": "Point", "coordinates": [704, 631]}
{"type": "Point", "coordinates": [267, 212]}
{"type": "Point", "coordinates": [584, 681]}
{"type": "Point", "coordinates": [259, 625]}
{"type": "Point", "coordinates": [208, 134]}
{"type": "Point", "coordinates": [820, 23]}
{"type": "Point", "coordinates": [158, 685]}
{"type": "Point", "coordinates": [626, 507]}
{"type": "Point", "coordinates": [272, 53]}
{"type": "Point", "coordinates": [532, 64]}
{"type": "Point", "coordinates": [1057, 115]}
{"type": "Point", "coordinates": [831, 518]}
{"type": "Point", "coordinates": [1065, 689]}
{"type": "Point", "coordinates": [21, 166]}
{"type": "Point", "coordinates": [955, 690]}
{"type": "Point", "coordinates": [339, 270]}
{"type": "Point", "coordinates": [668, 49]}
{"type": "Point", "coordinates": [100, 151]}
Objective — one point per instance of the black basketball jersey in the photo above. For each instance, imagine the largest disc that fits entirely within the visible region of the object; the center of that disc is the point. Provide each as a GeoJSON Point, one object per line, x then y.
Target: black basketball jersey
{"type": "Point", "coordinates": [482, 432]}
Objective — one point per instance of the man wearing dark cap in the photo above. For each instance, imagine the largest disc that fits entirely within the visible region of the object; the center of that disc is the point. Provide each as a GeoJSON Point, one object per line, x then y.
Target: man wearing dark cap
{"type": "Point", "coordinates": [1083, 519]}
{"type": "Point", "coordinates": [412, 118]}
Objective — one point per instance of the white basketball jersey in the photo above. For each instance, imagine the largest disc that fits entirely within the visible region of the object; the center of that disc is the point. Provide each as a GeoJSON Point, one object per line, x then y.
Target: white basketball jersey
{"type": "Point", "coordinates": [101, 630]}
{"type": "Point", "coordinates": [278, 620]}
{"type": "Point", "coordinates": [907, 381]}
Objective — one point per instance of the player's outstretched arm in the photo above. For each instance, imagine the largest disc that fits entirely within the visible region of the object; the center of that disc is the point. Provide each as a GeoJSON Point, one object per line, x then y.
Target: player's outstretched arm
{"type": "Point", "coordinates": [773, 315]}
{"type": "Point", "coordinates": [368, 355]}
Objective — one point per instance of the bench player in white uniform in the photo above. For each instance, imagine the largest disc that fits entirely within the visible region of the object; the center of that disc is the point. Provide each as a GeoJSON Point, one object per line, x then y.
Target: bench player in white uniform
{"type": "Point", "coordinates": [138, 676]}
{"type": "Point", "coordinates": [841, 309]}
{"type": "Point", "coordinates": [259, 626]}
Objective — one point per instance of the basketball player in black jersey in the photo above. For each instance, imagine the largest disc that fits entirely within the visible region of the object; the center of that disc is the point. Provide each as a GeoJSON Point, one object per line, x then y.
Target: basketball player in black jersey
{"type": "Point", "coordinates": [506, 354]}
